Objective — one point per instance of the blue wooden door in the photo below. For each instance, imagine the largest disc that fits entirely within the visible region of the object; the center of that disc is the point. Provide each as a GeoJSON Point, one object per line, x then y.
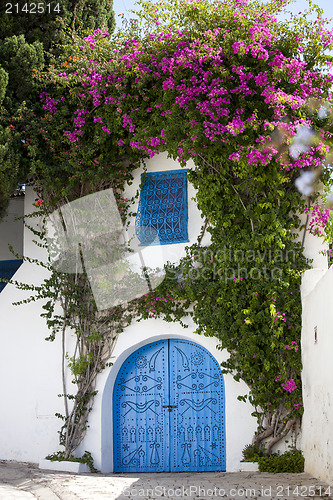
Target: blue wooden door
{"type": "Point", "coordinates": [169, 410]}
{"type": "Point", "coordinates": [140, 422]}
{"type": "Point", "coordinates": [197, 424]}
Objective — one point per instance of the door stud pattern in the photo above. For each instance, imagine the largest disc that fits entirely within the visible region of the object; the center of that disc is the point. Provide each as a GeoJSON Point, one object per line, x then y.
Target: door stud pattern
{"type": "Point", "coordinates": [168, 406]}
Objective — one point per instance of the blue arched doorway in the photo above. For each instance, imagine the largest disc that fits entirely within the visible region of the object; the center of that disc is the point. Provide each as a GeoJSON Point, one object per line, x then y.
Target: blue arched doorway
{"type": "Point", "coordinates": [168, 407]}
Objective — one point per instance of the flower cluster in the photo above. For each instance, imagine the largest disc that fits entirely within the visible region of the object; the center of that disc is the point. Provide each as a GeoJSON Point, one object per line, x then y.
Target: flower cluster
{"type": "Point", "coordinates": [50, 104]}
{"type": "Point", "coordinates": [154, 306]}
{"type": "Point", "coordinates": [319, 218]}
{"type": "Point", "coordinates": [218, 75]}
{"type": "Point", "coordinates": [281, 316]}
{"type": "Point", "coordinates": [289, 385]}
{"type": "Point", "coordinates": [292, 347]}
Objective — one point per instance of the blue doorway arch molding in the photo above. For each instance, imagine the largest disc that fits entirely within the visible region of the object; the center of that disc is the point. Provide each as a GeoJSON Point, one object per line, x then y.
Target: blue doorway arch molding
{"type": "Point", "coordinates": [168, 407]}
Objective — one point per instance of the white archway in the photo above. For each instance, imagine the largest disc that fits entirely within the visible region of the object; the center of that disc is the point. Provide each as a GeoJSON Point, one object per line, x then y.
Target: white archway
{"type": "Point", "coordinates": [240, 424]}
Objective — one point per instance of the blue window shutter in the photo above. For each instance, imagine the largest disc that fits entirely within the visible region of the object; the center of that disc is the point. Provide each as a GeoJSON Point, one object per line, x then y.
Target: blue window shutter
{"type": "Point", "coordinates": [163, 208]}
{"type": "Point", "coordinates": [7, 270]}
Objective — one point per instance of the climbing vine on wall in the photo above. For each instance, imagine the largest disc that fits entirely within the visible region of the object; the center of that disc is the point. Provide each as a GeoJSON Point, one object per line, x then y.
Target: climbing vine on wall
{"type": "Point", "coordinates": [230, 88]}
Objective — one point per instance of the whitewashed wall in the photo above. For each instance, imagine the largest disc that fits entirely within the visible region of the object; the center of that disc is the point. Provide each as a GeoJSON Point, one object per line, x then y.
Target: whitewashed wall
{"type": "Point", "coordinates": [29, 367]}
{"type": "Point", "coordinates": [317, 352]}
{"type": "Point", "coordinates": [317, 374]}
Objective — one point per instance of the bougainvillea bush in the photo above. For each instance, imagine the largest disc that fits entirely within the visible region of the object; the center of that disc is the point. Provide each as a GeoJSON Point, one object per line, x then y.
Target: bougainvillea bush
{"type": "Point", "coordinates": [227, 85]}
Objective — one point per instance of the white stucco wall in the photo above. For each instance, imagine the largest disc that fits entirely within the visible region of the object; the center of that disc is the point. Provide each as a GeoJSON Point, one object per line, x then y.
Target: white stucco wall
{"type": "Point", "coordinates": [317, 376]}
{"type": "Point", "coordinates": [29, 367]}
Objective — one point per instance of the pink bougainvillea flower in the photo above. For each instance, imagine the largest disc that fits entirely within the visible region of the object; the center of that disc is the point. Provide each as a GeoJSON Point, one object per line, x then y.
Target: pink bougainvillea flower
{"type": "Point", "coordinates": [289, 385]}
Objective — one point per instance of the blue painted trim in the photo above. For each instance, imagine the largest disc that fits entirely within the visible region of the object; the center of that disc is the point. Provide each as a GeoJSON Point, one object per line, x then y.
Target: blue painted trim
{"type": "Point", "coordinates": [7, 270]}
{"type": "Point", "coordinates": [162, 172]}
{"type": "Point", "coordinates": [175, 240]}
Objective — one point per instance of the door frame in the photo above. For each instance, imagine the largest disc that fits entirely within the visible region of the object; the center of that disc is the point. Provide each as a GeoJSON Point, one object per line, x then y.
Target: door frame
{"type": "Point", "coordinates": [209, 343]}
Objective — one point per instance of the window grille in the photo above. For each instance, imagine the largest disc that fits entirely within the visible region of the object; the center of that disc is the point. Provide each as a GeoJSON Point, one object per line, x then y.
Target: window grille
{"type": "Point", "coordinates": [162, 208]}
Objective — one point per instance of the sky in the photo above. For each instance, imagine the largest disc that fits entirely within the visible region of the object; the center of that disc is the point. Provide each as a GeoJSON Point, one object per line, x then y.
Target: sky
{"type": "Point", "coordinates": [124, 7]}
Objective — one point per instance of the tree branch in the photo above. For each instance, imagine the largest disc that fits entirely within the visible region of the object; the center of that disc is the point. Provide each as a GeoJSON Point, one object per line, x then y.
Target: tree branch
{"type": "Point", "coordinates": [281, 435]}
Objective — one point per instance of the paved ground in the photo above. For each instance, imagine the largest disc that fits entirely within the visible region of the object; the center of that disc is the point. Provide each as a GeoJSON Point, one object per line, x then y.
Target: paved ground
{"type": "Point", "coordinates": [26, 481]}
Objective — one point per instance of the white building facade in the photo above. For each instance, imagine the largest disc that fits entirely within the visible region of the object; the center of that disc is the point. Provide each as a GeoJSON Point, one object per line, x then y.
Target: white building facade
{"type": "Point", "coordinates": [174, 359]}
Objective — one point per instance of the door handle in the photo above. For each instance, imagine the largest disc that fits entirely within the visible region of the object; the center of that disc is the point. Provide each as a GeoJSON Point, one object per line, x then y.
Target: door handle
{"type": "Point", "coordinates": [169, 407]}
